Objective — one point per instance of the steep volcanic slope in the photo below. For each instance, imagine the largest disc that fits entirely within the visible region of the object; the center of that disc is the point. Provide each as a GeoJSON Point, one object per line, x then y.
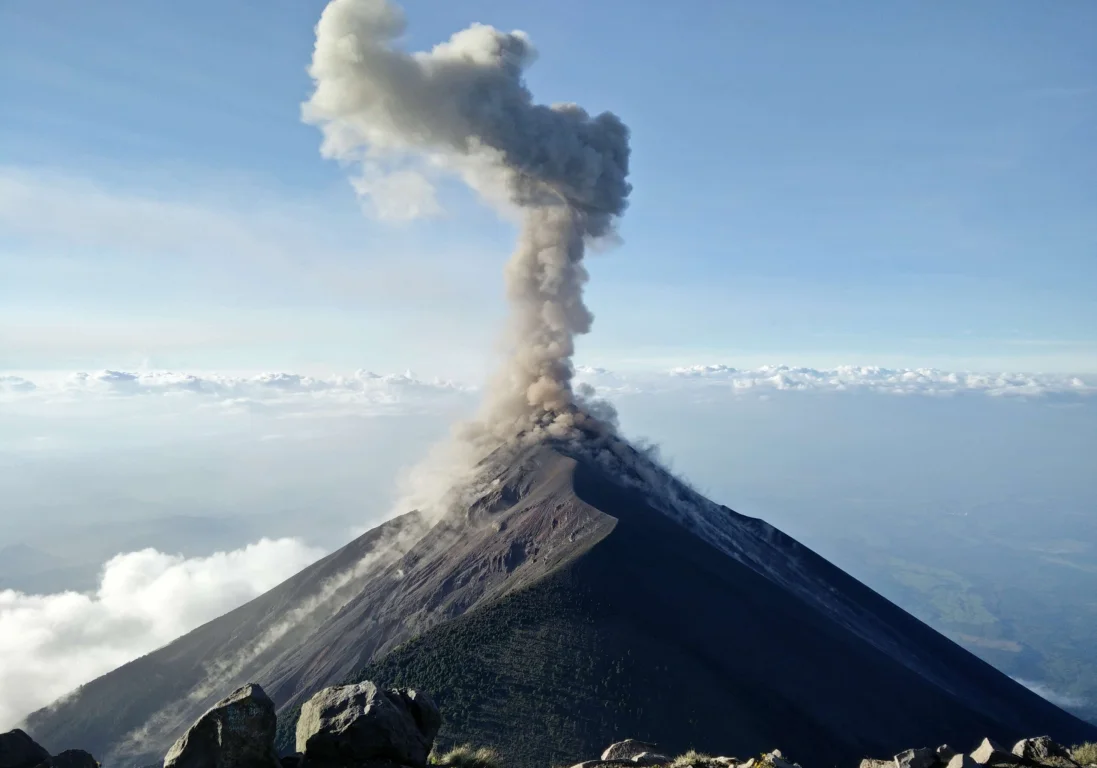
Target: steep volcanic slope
{"type": "Point", "coordinates": [655, 635]}
{"type": "Point", "coordinates": [525, 524]}
{"type": "Point", "coordinates": [565, 610]}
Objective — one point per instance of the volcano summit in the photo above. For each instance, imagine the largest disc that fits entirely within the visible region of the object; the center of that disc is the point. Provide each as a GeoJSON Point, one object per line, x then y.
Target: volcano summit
{"type": "Point", "coordinates": [572, 602]}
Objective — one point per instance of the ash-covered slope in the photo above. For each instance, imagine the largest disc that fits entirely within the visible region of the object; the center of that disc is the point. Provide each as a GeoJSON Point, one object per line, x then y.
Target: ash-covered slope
{"type": "Point", "coordinates": [584, 595]}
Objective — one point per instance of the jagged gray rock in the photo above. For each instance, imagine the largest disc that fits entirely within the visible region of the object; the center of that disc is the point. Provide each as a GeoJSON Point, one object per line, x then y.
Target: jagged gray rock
{"type": "Point", "coordinates": [990, 753]}
{"type": "Point", "coordinates": [778, 760]}
{"type": "Point", "coordinates": [627, 749]}
{"type": "Point", "coordinates": [18, 750]}
{"type": "Point", "coordinates": [961, 761]}
{"type": "Point", "coordinates": [1040, 748]}
{"type": "Point", "coordinates": [354, 724]}
{"type": "Point", "coordinates": [651, 758]}
{"type": "Point", "coordinates": [869, 762]}
{"type": "Point", "coordinates": [71, 758]}
{"type": "Point", "coordinates": [945, 753]}
{"type": "Point", "coordinates": [916, 758]}
{"type": "Point", "coordinates": [237, 732]}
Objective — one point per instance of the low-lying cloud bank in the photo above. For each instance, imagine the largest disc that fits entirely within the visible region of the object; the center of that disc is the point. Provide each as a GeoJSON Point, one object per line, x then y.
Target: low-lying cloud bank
{"type": "Point", "coordinates": [370, 388]}
{"type": "Point", "coordinates": [275, 394]}
{"type": "Point", "coordinates": [263, 385]}
{"type": "Point", "coordinates": [51, 644]}
{"type": "Point", "coordinates": [847, 378]}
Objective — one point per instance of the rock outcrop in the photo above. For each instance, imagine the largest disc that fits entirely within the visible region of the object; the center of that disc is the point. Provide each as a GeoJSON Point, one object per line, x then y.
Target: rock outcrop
{"type": "Point", "coordinates": [1040, 749]}
{"type": "Point", "coordinates": [358, 724]}
{"type": "Point", "coordinates": [366, 726]}
{"type": "Point", "coordinates": [916, 758]}
{"type": "Point", "coordinates": [989, 752]}
{"type": "Point", "coordinates": [237, 732]}
{"type": "Point", "coordinates": [71, 758]}
{"type": "Point", "coordinates": [1039, 752]}
{"type": "Point", "coordinates": [18, 750]}
{"type": "Point", "coordinates": [627, 750]}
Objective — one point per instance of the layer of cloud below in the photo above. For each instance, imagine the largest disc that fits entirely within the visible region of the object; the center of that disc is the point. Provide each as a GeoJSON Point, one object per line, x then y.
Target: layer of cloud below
{"type": "Point", "coordinates": [366, 387]}
{"type": "Point", "coordinates": [51, 644]}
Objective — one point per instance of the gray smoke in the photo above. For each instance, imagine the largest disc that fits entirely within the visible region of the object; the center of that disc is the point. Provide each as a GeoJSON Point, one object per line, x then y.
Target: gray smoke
{"type": "Point", "coordinates": [463, 107]}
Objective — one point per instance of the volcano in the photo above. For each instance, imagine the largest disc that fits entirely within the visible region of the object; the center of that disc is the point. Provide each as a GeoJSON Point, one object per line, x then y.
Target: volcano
{"type": "Point", "coordinates": [581, 596]}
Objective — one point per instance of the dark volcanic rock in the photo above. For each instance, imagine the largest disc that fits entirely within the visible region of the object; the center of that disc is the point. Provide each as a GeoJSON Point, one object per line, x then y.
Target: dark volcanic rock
{"type": "Point", "coordinates": [18, 750]}
{"type": "Point", "coordinates": [238, 732]}
{"type": "Point", "coordinates": [359, 724]}
{"type": "Point", "coordinates": [71, 758]}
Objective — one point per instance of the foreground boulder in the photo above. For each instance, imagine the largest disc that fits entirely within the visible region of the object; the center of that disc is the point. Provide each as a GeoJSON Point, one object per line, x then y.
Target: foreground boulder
{"type": "Point", "coordinates": [71, 758]}
{"type": "Point", "coordinates": [627, 749]}
{"type": "Point", "coordinates": [238, 732]}
{"type": "Point", "coordinates": [356, 724]}
{"type": "Point", "coordinates": [945, 753]}
{"type": "Point", "coordinates": [991, 753]}
{"type": "Point", "coordinates": [961, 761]}
{"type": "Point", "coordinates": [916, 758]}
{"type": "Point", "coordinates": [1040, 748]}
{"type": "Point", "coordinates": [778, 760]}
{"type": "Point", "coordinates": [18, 750]}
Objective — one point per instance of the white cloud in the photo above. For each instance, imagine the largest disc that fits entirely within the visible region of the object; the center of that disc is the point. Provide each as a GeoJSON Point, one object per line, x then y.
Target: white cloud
{"type": "Point", "coordinates": [366, 389]}
{"type": "Point", "coordinates": [278, 393]}
{"type": "Point", "coordinates": [50, 644]}
{"type": "Point", "coordinates": [71, 212]}
{"type": "Point", "coordinates": [255, 237]}
{"type": "Point", "coordinates": [850, 378]}
{"type": "Point", "coordinates": [263, 385]}
{"type": "Point", "coordinates": [16, 384]}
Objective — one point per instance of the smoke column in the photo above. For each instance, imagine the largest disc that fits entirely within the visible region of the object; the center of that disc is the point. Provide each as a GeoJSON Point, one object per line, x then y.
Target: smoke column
{"type": "Point", "coordinates": [402, 119]}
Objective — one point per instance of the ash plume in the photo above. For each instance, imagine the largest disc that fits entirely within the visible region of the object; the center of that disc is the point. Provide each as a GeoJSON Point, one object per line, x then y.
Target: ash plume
{"type": "Point", "coordinates": [463, 108]}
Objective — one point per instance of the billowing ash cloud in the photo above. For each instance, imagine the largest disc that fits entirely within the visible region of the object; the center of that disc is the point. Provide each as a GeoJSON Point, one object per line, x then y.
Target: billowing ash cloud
{"type": "Point", "coordinates": [464, 108]}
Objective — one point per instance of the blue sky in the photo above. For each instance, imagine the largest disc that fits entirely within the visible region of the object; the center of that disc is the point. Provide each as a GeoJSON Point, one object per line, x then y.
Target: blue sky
{"type": "Point", "coordinates": [838, 183]}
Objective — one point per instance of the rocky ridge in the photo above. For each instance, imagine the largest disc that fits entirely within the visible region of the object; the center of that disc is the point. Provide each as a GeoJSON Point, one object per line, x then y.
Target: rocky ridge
{"type": "Point", "coordinates": [1038, 752]}
{"type": "Point", "coordinates": [366, 726]}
